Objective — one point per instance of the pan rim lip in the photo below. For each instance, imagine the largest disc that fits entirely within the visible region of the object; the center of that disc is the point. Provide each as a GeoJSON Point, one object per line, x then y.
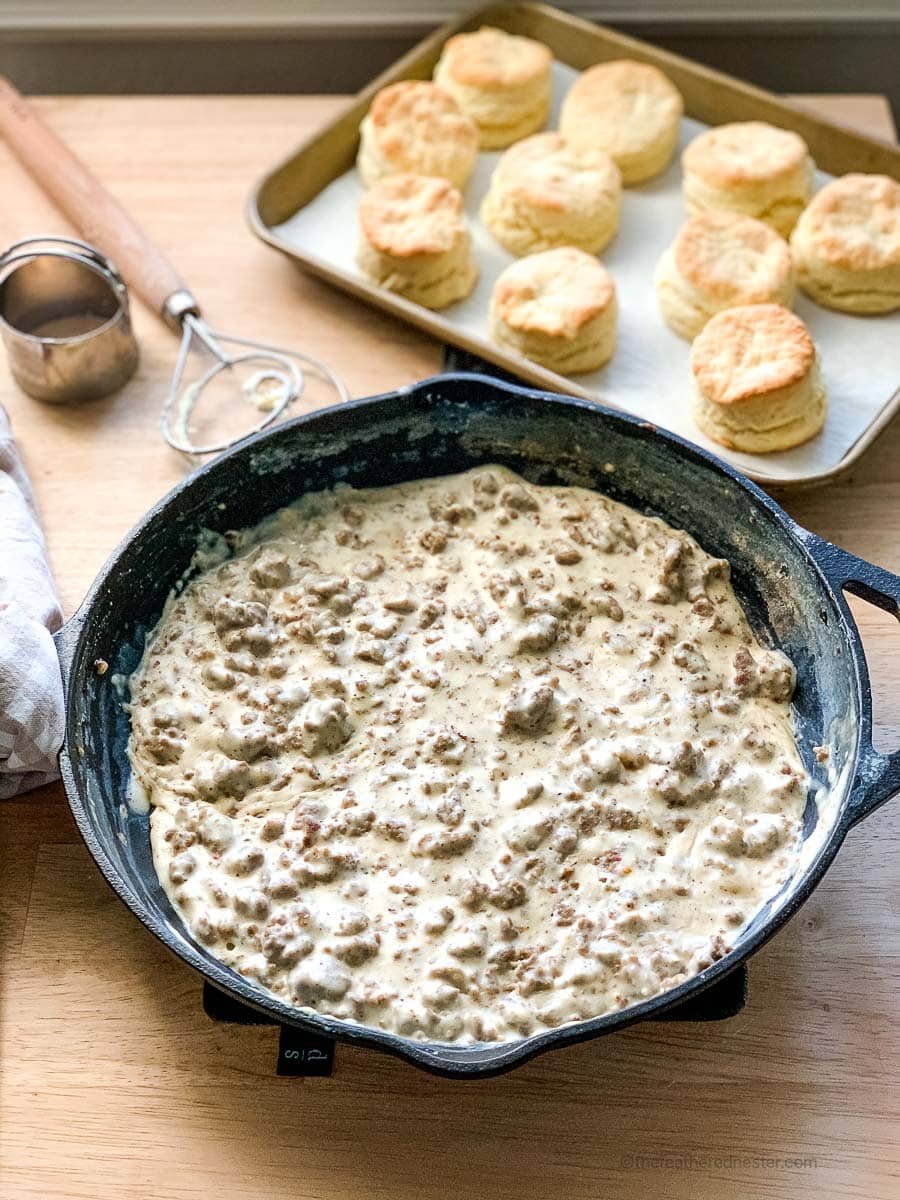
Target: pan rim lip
{"type": "Point", "coordinates": [450, 1059]}
{"type": "Point", "coordinates": [555, 399]}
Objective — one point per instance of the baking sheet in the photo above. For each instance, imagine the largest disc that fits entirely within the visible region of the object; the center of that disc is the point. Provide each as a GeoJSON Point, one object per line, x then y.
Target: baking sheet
{"type": "Point", "coordinates": [649, 374]}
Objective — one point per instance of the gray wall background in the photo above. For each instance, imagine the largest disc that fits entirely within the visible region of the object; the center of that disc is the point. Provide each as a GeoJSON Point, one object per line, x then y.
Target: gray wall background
{"type": "Point", "coordinates": [843, 57]}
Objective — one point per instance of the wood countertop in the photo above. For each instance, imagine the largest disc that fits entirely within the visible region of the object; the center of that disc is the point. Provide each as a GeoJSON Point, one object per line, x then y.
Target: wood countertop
{"type": "Point", "coordinates": [113, 1083]}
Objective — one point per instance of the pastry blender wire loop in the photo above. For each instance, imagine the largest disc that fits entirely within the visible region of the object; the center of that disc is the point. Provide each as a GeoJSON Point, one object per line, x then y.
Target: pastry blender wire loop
{"type": "Point", "coordinates": [278, 370]}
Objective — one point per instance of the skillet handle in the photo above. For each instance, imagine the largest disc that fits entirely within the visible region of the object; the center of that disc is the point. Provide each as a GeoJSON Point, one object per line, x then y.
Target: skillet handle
{"type": "Point", "coordinates": [878, 778]}
{"type": "Point", "coordinates": [65, 639]}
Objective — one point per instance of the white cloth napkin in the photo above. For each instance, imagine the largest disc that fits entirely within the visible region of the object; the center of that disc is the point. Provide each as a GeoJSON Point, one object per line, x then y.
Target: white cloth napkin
{"type": "Point", "coordinates": [31, 696]}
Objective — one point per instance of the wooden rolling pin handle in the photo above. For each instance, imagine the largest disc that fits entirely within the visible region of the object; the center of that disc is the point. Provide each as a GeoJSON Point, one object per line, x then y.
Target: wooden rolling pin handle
{"type": "Point", "coordinates": [98, 217]}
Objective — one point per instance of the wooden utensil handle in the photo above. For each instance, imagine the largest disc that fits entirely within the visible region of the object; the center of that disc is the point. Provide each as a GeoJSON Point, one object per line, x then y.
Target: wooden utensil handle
{"type": "Point", "coordinates": [99, 218]}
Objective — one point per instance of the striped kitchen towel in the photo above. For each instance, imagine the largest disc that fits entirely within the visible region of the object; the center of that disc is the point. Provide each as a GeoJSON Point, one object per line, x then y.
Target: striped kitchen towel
{"type": "Point", "coordinates": [31, 698]}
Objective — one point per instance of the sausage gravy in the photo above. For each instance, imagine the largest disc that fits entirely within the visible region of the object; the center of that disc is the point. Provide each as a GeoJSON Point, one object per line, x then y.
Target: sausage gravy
{"type": "Point", "coordinates": [465, 758]}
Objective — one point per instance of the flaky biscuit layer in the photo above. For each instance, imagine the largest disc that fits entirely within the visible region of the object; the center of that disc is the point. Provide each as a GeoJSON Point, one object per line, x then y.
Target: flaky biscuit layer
{"type": "Point", "coordinates": [847, 245]}
{"type": "Point", "coordinates": [721, 260]}
{"type": "Point", "coordinates": [752, 168]}
{"type": "Point", "coordinates": [545, 194]}
{"type": "Point", "coordinates": [500, 80]}
{"type": "Point", "coordinates": [414, 240]}
{"type": "Point", "coordinates": [757, 380]}
{"type": "Point", "coordinates": [629, 110]}
{"type": "Point", "coordinates": [557, 308]}
{"type": "Point", "coordinates": [415, 126]}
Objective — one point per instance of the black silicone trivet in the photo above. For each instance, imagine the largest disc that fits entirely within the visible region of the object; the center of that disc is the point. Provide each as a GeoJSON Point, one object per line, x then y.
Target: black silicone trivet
{"type": "Point", "coordinates": [301, 1053]}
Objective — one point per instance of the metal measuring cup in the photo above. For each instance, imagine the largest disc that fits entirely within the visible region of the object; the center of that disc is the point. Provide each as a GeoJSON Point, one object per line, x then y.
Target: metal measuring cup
{"type": "Point", "coordinates": [64, 320]}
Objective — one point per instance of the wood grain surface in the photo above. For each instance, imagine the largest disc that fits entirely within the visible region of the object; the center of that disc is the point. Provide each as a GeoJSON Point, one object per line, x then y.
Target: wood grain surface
{"type": "Point", "coordinates": [115, 1086]}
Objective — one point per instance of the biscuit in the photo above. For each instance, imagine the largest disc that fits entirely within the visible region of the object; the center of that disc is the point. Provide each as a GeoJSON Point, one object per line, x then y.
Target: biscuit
{"type": "Point", "coordinates": [414, 240]}
{"type": "Point", "coordinates": [502, 81]}
{"type": "Point", "coordinates": [721, 260]}
{"type": "Point", "coordinates": [557, 308]}
{"type": "Point", "coordinates": [757, 381]}
{"type": "Point", "coordinates": [629, 110]}
{"type": "Point", "coordinates": [545, 194]}
{"type": "Point", "coordinates": [415, 127]}
{"type": "Point", "coordinates": [752, 168]}
{"type": "Point", "coordinates": [847, 245]}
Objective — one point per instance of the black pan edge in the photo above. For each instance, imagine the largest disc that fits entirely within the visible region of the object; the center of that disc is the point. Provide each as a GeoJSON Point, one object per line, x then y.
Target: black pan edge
{"type": "Point", "coordinates": [440, 1059]}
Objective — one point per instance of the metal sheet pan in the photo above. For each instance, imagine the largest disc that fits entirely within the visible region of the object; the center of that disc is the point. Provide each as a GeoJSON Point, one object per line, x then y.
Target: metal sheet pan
{"type": "Point", "coordinates": [291, 190]}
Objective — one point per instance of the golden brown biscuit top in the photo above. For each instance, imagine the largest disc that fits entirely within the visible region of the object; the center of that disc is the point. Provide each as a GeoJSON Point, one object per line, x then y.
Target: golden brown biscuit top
{"type": "Point", "coordinates": [405, 215]}
{"type": "Point", "coordinates": [625, 93]}
{"type": "Point", "coordinates": [744, 152]}
{"type": "Point", "coordinates": [854, 223]}
{"type": "Point", "coordinates": [750, 352]}
{"type": "Point", "coordinates": [724, 254]}
{"type": "Point", "coordinates": [493, 60]}
{"type": "Point", "coordinates": [415, 114]}
{"type": "Point", "coordinates": [555, 292]}
{"type": "Point", "coordinates": [548, 172]}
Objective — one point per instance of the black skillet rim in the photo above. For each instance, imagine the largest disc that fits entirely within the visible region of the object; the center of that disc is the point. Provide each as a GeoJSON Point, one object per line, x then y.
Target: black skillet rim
{"type": "Point", "coordinates": [432, 1057]}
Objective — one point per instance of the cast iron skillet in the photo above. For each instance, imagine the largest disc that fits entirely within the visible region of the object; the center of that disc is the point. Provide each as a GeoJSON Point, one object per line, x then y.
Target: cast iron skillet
{"type": "Point", "coordinates": [789, 580]}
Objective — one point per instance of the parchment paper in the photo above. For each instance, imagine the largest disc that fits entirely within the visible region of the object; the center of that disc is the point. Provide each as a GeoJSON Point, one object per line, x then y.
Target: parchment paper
{"type": "Point", "coordinates": [649, 374]}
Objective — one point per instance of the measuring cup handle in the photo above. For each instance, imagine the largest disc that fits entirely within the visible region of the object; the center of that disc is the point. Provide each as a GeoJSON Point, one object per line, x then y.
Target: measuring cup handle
{"type": "Point", "coordinates": [94, 212]}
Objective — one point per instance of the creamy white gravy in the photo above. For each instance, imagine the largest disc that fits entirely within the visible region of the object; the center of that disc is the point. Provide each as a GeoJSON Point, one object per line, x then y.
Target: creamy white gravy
{"type": "Point", "coordinates": [466, 758]}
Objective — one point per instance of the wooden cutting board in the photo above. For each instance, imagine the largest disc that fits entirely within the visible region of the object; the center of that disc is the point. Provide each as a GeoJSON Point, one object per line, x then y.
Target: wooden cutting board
{"type": "Point", "coordinates": [115, 1086]}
